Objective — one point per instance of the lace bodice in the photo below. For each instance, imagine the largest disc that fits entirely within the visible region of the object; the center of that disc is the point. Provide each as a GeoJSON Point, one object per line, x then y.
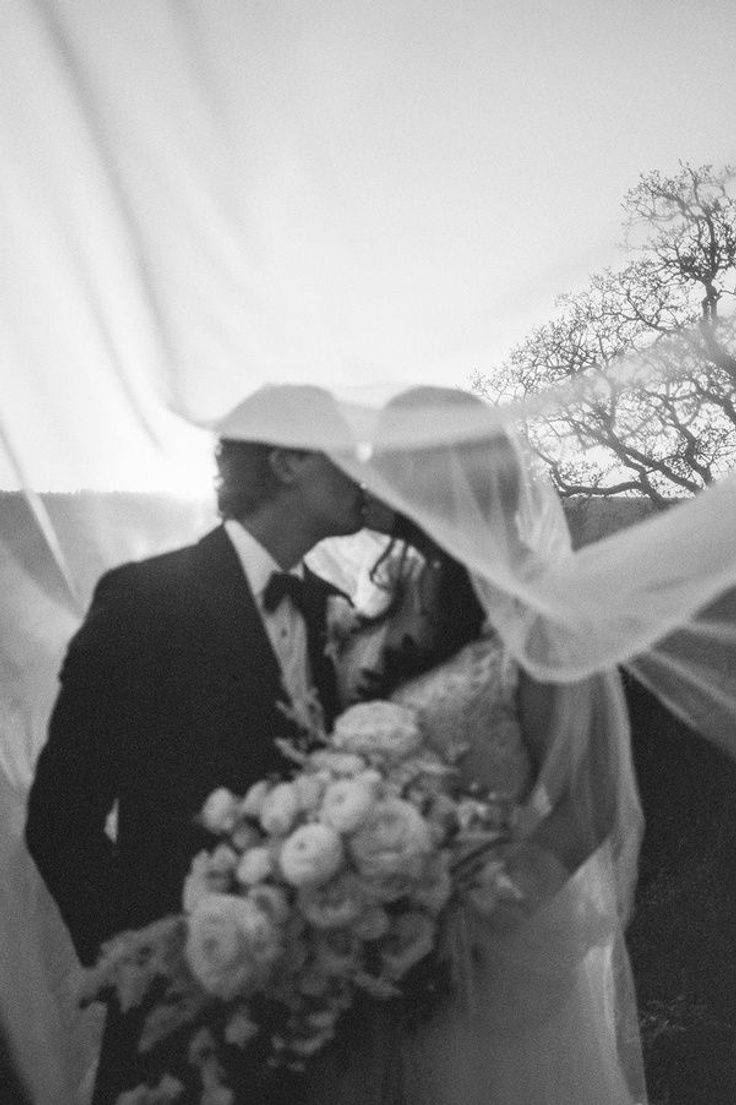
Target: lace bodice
{"type": "Point", "coordinates": [471, 700]}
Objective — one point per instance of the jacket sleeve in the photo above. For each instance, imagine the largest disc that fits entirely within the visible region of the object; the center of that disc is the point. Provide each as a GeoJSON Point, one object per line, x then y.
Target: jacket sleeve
{"type": "Point", "coordinates": [79, 770]}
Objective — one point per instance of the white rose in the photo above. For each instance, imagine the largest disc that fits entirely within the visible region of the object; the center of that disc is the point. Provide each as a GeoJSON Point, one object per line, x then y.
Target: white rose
{"type": "Point", "coordinates": [378, 728]}
{"type": "Point", "coordinates": [393, 840]}
{"type": "Point", "coordinates": [255, 865]}
{"type": "Point", "coordinates": [231, 944]}
{"type": "Point", "coordinates": [219, 811]}
{"type": "Point", "coordinates": [279, 810]}
{"type": "Point", "coordinates": [347, 802]}
{"type": "Point", "coordinates": [311, 855]}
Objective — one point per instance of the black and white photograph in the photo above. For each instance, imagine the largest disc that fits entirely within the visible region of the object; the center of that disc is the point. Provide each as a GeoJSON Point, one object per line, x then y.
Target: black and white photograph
{"type": "Point", "coordinates": [367, 552]}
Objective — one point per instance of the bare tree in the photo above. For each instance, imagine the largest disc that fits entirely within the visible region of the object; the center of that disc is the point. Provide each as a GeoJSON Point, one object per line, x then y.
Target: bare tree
{"type": "Point", "coordinates": [651, 348]}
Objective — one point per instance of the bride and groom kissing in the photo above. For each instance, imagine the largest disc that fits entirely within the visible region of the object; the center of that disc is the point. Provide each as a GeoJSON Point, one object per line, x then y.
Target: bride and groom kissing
{"type": "Point", "coordinates": [175, 685]}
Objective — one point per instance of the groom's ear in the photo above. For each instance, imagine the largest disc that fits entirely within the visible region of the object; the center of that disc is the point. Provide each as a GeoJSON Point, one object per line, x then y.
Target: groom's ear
{"type": "Point", "coordinates": [286, 464]}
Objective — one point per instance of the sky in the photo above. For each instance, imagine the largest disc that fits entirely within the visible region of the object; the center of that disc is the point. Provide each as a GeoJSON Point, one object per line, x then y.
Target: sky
{"type": "Point", "coordinates": [200, 199]}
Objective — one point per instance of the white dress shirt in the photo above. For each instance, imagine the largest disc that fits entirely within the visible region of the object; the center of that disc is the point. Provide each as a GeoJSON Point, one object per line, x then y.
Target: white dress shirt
{"type": "Point", "coordinates": [285, 625]}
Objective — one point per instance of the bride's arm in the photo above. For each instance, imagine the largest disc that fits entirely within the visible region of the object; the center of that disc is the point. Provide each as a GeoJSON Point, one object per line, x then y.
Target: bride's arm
{"type": "Point", "coordinates": [582, 808]}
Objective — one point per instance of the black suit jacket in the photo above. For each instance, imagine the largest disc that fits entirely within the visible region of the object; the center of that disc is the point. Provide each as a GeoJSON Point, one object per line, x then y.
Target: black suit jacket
{"type": "Point", "coordinates": [168, 690]}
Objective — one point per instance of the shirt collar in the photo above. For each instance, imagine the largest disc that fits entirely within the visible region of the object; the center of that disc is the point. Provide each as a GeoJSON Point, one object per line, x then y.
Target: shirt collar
{"type": "Point", "coordinates": [257, 562]}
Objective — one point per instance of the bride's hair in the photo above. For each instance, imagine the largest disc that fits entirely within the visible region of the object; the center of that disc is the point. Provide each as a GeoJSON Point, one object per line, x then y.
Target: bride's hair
{"type": "Point", "coordinates": [491, 476]}
{"type": "Point", "coordinates": [450, 604]}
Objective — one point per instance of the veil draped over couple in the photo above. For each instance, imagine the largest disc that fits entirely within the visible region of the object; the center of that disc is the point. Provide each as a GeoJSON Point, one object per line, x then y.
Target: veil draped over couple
{"type": "Point", "coordinates": [469, 606]}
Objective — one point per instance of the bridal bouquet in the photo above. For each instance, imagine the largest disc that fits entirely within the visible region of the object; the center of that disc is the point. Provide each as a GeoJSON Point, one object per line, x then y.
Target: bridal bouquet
{"type": "Point", "coordinates": [322, 886]}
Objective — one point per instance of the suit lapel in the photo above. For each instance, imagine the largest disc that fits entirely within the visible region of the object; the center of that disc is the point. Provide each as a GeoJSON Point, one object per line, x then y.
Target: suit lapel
{"type": "Point", "coordinates": [219, 578]}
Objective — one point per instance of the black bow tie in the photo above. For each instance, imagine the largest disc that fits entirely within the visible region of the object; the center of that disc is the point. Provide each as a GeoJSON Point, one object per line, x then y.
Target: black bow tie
{"type": "Point", "coordinates": [279, 586]}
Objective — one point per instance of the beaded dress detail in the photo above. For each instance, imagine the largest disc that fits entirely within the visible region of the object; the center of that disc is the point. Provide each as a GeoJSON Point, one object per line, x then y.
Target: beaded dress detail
{"type": "Point", "coordinates": [470, 702]}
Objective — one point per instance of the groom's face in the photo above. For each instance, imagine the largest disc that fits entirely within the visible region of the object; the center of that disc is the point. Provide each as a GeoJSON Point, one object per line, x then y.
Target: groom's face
{"type": "Point", "coordinates": [332, 500]}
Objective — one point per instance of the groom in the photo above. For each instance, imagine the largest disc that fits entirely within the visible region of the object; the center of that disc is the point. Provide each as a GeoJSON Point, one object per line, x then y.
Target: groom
{"type": "Point", "coordinates": [171, 687]}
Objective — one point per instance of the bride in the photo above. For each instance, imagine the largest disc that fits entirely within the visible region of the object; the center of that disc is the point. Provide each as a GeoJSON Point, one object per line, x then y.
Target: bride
{"type": "Point", "coordinates": [538, 1008]}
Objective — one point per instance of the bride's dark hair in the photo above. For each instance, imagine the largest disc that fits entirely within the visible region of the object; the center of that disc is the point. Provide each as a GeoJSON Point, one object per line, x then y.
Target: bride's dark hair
{"type": "Point", "coordinates": [453, 607]}
{"type": "Point", "coordinates": [495, 482]}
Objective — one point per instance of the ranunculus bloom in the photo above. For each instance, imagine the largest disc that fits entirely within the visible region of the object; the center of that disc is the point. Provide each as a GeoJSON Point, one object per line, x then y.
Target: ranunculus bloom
{"type": "Point", "coordinates": [231, 944]}
{"type": "Point", "coordinates": [219, 811]}
{"type": "Point", "coordinates": [393, 840]}
{"type": "Point", "coordinates": [338, 902]}
{"type": "Point", "coordinates": [347, 802]}
{"type": "Point", "coordinates": [311, 855]}
{"type": "Point", "coordinates": [378, 728]}
{"type": "Point", "coordinates": [279, 809]}
{"type": "Point", "coordinates": [255, 865]}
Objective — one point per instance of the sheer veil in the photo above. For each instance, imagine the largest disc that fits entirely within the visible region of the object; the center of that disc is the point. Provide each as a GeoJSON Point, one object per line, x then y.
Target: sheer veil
{"type": "Point", "coordinates": [655, 598]}
{"type": "Point", "coordinates": [193, 207]}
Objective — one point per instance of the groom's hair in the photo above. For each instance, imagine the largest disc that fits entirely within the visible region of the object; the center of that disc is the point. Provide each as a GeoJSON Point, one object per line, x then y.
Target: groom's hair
{"type": "Point", "coordinates": [245, 478]}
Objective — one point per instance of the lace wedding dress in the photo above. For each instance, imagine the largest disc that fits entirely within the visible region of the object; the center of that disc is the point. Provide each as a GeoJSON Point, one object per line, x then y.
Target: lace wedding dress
{"type": "Point", "coordinates": [528, 1018]}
